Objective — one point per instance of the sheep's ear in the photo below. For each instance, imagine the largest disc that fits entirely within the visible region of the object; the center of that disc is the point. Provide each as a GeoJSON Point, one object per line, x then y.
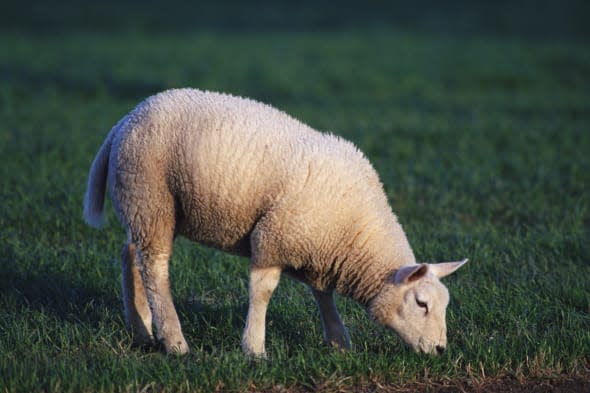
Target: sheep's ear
{"type": "Point", "coordinates": [444, 269]}
{"type": "Point", "coordinates": [410, 273]}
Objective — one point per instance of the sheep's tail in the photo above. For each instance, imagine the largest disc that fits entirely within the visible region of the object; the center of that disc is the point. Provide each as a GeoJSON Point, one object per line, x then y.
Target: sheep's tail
{"type": "Point", "coordinates": [97, 182]}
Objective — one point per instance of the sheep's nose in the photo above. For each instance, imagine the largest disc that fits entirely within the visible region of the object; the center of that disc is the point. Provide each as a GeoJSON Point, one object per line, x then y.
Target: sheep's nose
{"type": "Point", "coordinates": [440, 349]}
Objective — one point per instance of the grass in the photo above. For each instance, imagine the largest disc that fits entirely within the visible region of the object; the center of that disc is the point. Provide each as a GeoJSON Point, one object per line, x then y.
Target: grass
{"type": "Point", "coordinates": [481, 141]}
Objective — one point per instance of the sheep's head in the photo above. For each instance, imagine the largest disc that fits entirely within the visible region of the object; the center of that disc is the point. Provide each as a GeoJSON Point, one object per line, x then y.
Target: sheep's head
{"type": "Point", "coordinates": [413, 303]}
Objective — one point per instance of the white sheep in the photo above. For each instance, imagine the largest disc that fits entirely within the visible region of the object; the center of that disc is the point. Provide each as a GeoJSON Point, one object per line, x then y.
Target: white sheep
{"type": "Point", "coordinates": [243, 177]}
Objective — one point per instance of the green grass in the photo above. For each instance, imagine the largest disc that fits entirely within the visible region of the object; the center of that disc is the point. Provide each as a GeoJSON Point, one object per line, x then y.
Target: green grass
{"type": "Point", "coordinates": [483, 145]}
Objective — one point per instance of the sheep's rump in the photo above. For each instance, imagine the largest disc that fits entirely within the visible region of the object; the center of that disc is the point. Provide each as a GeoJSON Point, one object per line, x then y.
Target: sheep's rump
{"type": "Point", "coordinates": [213, 165]}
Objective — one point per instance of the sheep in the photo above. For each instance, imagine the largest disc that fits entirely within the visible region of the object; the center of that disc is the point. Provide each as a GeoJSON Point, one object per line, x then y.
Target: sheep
{"type": "Point", "coordinates": [243, 177]}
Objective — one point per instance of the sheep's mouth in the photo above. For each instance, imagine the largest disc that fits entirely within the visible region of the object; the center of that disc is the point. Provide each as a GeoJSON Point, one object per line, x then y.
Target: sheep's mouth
{"type": "Point", "coordinates": [422, 345]}
{"type": "Point", "coordinates": [429, 347]}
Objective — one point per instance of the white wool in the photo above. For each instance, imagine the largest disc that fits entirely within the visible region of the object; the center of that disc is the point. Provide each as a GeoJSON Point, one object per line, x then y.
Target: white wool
{"type": "Point", "coordinates": [244, 177]}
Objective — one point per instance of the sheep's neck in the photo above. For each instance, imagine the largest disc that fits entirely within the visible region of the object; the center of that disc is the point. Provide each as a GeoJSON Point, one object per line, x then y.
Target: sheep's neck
{"type": "Point", "coordinates": [366, 270]}
{"type": "Point", "coordinates": [364, 282]}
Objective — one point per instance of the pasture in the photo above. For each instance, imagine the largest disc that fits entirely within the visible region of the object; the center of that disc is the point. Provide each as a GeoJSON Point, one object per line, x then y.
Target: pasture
{"type": "Point", "coordinates": [481, 138]}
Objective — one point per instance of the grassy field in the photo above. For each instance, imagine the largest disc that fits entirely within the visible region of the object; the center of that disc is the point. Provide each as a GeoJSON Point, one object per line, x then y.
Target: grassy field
{"type": "Point", "coordinates": [482, 141]}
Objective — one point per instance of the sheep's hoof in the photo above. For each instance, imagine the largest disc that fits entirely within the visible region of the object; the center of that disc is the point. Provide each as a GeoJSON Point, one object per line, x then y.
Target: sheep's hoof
{"type": "Point", "coordinates": [177, 347]}
{"type": "Point", "coordinates": [253, 355]}
{"type": "Point", "coordinates": [339, 346]}
{"type": "Point", "coordinates": [142, 338]}
{"type": "Point", "coordinates": [257, 357]}
{"type": "Point", "coordinates": [143, 342]}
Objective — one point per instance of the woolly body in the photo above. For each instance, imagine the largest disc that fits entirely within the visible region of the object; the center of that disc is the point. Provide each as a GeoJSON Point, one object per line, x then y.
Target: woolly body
{"type": "Point", "coordinates": [219, 165]}
{"type": "Point", "coordinates": [246, 178]}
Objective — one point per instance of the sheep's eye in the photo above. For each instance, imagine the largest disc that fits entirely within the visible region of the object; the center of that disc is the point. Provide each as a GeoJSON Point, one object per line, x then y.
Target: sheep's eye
{"type": "Point", "coordinates": [422, 305]}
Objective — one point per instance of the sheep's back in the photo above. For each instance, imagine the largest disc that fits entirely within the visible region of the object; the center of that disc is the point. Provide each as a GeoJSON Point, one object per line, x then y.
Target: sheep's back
{"type": "Point", "coordinates": [227, 161]}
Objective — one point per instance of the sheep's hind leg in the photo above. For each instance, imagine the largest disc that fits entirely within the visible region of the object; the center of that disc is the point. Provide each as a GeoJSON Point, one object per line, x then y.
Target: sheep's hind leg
{"type": "Point", "coordinates": [137, 310]}
{"type": "Point", "coordinates": [154, 256]}
{"type": "Point", "coordinates": [335, 333]}
{"type": "Point", "coordinates": [262, 283]}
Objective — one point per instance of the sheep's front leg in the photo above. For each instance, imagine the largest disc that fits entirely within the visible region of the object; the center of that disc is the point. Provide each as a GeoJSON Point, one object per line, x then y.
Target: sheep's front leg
{"type": "Point", "coordinates": [157, 286]}
{"type": "Point", "coordinates": [262, 283]}
{"type": "Point", "coordinates": [138, 316]}
{"type": "Point", "coordinates": [335, 333]}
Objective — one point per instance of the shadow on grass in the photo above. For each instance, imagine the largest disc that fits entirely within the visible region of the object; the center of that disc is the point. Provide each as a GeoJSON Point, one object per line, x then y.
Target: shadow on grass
{"type": "Point", "coordinates": [61, 297]}
{"type": "Point", "coordinates": [220, 325]}
{"type": "Point", "coordinates": [57, 294]}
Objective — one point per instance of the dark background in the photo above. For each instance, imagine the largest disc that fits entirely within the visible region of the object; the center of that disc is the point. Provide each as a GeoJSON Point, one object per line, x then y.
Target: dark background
{"type": "Point", "coordinates": [527, 19]}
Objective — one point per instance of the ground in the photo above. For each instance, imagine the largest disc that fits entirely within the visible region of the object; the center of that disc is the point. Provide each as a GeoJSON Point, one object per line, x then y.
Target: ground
{"type": "Point", "coordinates": [474, 114]}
